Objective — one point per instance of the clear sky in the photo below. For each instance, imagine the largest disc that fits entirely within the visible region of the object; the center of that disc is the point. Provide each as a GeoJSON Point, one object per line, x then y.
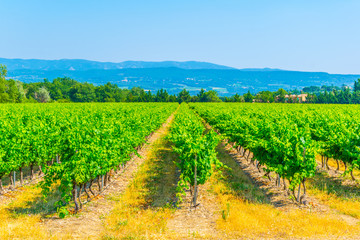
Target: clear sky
{"type": "Point", "coordinates": [307, 35]}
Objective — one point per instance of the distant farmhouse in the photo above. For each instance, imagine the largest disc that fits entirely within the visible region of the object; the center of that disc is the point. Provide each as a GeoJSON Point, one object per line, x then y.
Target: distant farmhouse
{"type": "Point", "coordinates": [296, 98]}
{"type": "Point", "coordinates": [293, 98]}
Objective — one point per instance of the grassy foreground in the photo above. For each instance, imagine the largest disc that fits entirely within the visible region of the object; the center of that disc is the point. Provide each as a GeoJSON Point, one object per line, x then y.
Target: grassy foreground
{"type": "Point", "coordinates": [22, 218]}
{"type": "Point", "coordinates": [337, 191]}
{"type": "Point", "coordinates": [143, 210]}
{"type": "Point", "coordinates": [245, 213]}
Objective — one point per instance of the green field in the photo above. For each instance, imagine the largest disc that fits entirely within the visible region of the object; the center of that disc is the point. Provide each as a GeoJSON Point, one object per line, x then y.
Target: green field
{"type": "Point", "coordinates": [170, 171]}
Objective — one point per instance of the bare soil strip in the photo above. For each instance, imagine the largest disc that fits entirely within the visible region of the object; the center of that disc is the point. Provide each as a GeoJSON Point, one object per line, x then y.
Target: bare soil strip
{"type": "Point", "coordinates": [200, 222]}
{"type": "Point", "coordinates": [88, 224]}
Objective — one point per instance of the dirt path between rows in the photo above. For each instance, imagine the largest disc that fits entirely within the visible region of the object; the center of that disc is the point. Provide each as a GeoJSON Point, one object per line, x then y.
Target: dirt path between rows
{"type": "Point", "coordinates": [200, 222]}
{"type": "Point", "coordinates": [88, 224]}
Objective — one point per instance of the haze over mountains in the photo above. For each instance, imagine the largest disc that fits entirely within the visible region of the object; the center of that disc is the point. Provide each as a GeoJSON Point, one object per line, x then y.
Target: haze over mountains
{"type": "Point", "coordinates": [171, 75]}
{"type": "Point", "coordinates": [83, 65]}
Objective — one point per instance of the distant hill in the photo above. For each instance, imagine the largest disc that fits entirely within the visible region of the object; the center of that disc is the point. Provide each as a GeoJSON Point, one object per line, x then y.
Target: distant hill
{"type": "Point", "coordinates": [173, 76]}
{"type": "Point", "coordinates": [82, 65]}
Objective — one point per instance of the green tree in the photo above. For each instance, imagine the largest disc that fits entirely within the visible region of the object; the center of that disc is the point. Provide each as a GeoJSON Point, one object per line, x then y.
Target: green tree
{"type": "Point", "coordinates": [357, 86]}
{"type": "Point", "coordinates": [184, 96]}
{"type": "Point", "coordinates": [106, 93]}
{"type": "Point", "coordinates": [162, 96]}
{"type": "Point", "coordinates": [82, 92]}
{"type": "Point", "coordinates": [172, 98]}
{"type": "Point", "coordinates": [311, 89]}
{"type": "Point", "coordinates": [201, 96]}
{"type": "Point", "coordinates": [248, 97]}
{"type": "Point", "coordinates": [227, 99]}
{"type": "Point", "coordinates": [265, 96]}
{"type": "Point", "coordinates": [22, 94]}
{"type": "Point", "coordinates": [59, 88]}
{"type": "Point", "coordinates": [13, 91]}
{"type": "Point", "coordinates": [4, 96]}
{"type": "Point", "coordinates": [280, 95]}
{"type": "Point", "coordinates": [130, 97]}
{"type": "Point", "coordinates": [311, 98]}
{"type": "Point", "coordinates": [149, 96]}
{"type": "Point", "coordinates": [212, 96]}
{"type": "Point", "coordinates": [237, 98]}
{"type": "Point", "coordinates": [42, 95]}
{"type": "Point", "coordinates": [137, 94]}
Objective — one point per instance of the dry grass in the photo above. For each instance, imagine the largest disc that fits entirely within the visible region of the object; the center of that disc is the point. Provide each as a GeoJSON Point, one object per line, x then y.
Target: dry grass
{"type": "Point", "coordinates": [333, 165]}
{"type": "Point", "coordinates": [244, 216]}
{"type": "Point", "coordinates": [23, 227]}
{"type": "Point", "coordinates": [244, 219]}
{"type": "Point", "coordinates": [22, 217]}
{"type": "Point", "coordinates": [345, 206]}
{"type": "Point", "coordinates": [337, 192]}
{"type": "Point", "coordinates": [143, 210]}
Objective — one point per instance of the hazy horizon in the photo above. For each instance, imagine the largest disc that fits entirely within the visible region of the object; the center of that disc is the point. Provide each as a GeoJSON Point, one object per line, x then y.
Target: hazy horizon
{"type": "Point", "coordinates": [319, 36]}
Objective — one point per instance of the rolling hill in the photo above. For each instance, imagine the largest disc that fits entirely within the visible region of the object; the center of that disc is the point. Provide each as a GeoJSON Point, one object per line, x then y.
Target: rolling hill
{"type": "Point", "coordinates": [173, 76]}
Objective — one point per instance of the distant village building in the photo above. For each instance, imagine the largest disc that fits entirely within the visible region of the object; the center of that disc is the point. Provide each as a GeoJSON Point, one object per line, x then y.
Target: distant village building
{"type": "Point", "coordinates": [296, 98]}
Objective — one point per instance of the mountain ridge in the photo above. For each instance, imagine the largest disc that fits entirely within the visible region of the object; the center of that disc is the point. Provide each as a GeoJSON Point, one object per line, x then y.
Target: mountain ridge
{"type": "Point", "coordinates": [173, 78]}
{"type": "Point", "coordinates": [82, 64]}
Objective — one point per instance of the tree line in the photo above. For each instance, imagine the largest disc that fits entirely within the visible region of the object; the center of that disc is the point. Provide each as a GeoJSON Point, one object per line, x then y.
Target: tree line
{"type": "Point", "coordinates": [69, 90]}
{"type": "Point", "coordinates": [344, 95]}
{"type": "Point", "coordinates": [324, 94]}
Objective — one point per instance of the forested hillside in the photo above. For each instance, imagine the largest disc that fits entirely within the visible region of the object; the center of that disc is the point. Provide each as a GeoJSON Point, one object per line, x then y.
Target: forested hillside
{"type": "Point", "coordinates": [173, 76]}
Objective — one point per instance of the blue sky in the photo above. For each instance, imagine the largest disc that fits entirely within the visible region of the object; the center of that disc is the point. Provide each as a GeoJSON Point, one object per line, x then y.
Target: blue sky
{"type": "Point", "coordinates": [295, 35]}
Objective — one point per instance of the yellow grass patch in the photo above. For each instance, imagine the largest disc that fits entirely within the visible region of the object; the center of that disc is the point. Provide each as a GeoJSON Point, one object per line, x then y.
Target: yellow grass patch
{"type": "Point", "coordinates": [346, 206]}
{"type": "Point", "coordinates": [23, 227]}
{"type": "Point", "coordinates": [15, 225]}
{"type": "Point", "coordinates": [333, 192]}
{"type": "Point", "coordinates": [244, 219]}
{"type": "Point", "coordinates": [138, 214]}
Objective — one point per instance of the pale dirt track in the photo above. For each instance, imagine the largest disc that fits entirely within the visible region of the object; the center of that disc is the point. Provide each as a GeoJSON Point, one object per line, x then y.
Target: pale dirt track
{"type": "Point", "coordinates": [200, 222]}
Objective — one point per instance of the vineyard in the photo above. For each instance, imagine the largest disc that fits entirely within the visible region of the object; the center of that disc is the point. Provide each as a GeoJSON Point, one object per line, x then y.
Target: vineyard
{"type": "Point", "coordinates": [210, 170]}
{"type": "Point", "coordinates": [196, 150]}
{"type": "Point", "coordinates": [75, 145]}
{"type": "Point", "coordinates": [286, 139]}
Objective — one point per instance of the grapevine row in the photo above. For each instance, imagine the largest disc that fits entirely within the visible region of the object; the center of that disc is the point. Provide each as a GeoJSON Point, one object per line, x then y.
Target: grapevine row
{"type": "Point", "coordinates": [196, 149]}
{"type": "Point", "coordinates": [286, 139]}
{"type": "Point", "coordinates": [279, 141]}
{"type": "Point", "coordinates": [88, 141]}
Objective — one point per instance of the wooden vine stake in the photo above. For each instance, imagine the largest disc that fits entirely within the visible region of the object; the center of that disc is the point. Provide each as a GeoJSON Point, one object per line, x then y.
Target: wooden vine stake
{"type": "Point", "coordinates": [13, 179]}
{"type": "Point", "coordinates": [99, 182]}
{"type": "Point", "coordinates": [31, 171]}
{"type": "Point", "coordinates": [1, 185]}
{"type": "Point", "coordinates": [300, 198]}
{"type": "Point", "coordinates": [298, 195]}
{"type": "Point", "coordinates": [102, 182]}
{"type": "Point", "coordinates": [21, 176]}
{"type": "Point", "coordinates": [195, 185]}
{"type": "Point", "coordinates": [74, 195]}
